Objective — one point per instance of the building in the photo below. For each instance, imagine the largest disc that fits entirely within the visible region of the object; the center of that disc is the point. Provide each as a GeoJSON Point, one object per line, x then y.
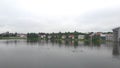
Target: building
{"type": "Point", "coordinates": [109, 37]}
{"type": "Point", "coordinates": [81, 36]}
{"type": "Point", "coordinates": [103, 36]}
{"type": "Point", "coordinates": [116, 34]}
{"type": "Point", "coordinates": [42, 35]}
{"type": "Point", "coordinates": [49, 36]}
{"type": "Point", "coordinates": [71, 36]}
{"type": "Point", "coordinates": [63, 36]}
{"type": "Point", "coordinates": [22, 35]}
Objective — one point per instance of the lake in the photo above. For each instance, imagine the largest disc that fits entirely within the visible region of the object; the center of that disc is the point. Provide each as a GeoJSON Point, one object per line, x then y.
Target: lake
{"type": "Point", "coordinates": [58, 54]}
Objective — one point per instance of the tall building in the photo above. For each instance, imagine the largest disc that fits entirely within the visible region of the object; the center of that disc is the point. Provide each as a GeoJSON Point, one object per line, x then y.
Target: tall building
{"type": "Point", "coordinates": [116, 34]}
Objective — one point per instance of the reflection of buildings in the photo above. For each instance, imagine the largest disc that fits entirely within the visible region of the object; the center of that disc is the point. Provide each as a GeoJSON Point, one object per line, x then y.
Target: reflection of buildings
{"type": "Point", "coordinates": [116, 34]}
{"type": "Point", "coordinates": [116, 49]}
{"type": "Point", "coordinates": [11, 41]}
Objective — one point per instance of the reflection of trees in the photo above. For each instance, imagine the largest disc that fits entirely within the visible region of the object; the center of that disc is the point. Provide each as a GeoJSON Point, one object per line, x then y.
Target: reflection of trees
{"type": "Point", "coordinates": [52, 41]}
{"type": "Point", "coordinates": [66, 42]}
{"type": "Point", "coordinates": [30, 41]}
{"type": "Point", "coordinates": [46, 41]}
{"type": "Point", "coordinates": [75, 44]}
{"type": "Point", "coordinates": [93, 43]}
{"type": "Point", "coordinates": [87, 42]}
{"type": "Point", "coordinates": [116, 49]}
{"type": "Point", "coordinates": [96, 43]}
{"type": "Point", "coordinates": [60, 42]}
{"type": "Point", "coordinates": [11, 41]}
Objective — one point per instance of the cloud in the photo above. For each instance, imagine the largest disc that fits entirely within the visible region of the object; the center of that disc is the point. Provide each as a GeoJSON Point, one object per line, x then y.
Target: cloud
{"type": "Point", "coordinates": [102, 20]}
{"type": "Point", "coordinates": [54, 16]}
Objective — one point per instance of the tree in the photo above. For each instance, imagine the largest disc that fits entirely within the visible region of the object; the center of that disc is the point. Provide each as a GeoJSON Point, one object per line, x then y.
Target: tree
{"type": "Point", "coordinates": [76, 34]}
{"type": "Point", "coordinates": [32, 36]}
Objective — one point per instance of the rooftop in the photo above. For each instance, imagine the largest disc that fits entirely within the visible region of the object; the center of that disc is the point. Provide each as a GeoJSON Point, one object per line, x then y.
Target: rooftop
{"type": "Point", "coordinates": [116, 28]}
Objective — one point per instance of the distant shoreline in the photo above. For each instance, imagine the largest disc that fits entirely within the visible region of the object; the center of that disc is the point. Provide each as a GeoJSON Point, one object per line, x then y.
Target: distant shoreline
{"type": "Point", "coordinates": [12, 38]}
{"type": "Point", "coordinates": [15, 38]}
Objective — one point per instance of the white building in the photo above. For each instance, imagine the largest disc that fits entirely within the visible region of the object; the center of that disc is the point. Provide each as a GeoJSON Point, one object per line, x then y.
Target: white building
{"type": "Point", "coordinates": [43, 36]}
{"type": "Point", "coordinates": [22, 35]}
{"type": "Point", "coordinates": [102, 35]}
{"type": "Point", "coordinates": [63, 36]}
{"type": "Point", "coordinates": [49, 36]}
{"type": "Point", "coordinates": [81, 36]}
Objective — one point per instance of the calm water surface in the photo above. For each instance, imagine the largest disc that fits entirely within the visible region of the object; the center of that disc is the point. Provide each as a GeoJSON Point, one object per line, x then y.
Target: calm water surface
{"type": "Point", "coordinates": [53, 54]}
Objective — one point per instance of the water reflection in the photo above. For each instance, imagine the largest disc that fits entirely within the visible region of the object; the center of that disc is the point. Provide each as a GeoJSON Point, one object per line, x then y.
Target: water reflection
{"type": "Point", "coordinates": [67, 43]}
{"type": "Point", "coordinates": [57, 42]}
{"type": "Point", "coordinates": [62, 54]}
{"type": "Point", "coordinates": [93, 44]}
{"type": "Point", "coordinates": [12, 41]}
{"type": "Point", "coordinates": [75, 44]}
{"type": "Point", "coordinates": [116, 49]}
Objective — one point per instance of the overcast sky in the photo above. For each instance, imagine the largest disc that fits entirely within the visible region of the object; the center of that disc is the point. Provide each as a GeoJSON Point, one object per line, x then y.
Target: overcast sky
{"type": "Point", "coordinates": [59, 15]}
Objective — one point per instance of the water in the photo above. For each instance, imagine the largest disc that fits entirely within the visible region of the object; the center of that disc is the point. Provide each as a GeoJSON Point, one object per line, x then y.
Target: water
{"type": "Point", "coordinates": [61, 54]}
